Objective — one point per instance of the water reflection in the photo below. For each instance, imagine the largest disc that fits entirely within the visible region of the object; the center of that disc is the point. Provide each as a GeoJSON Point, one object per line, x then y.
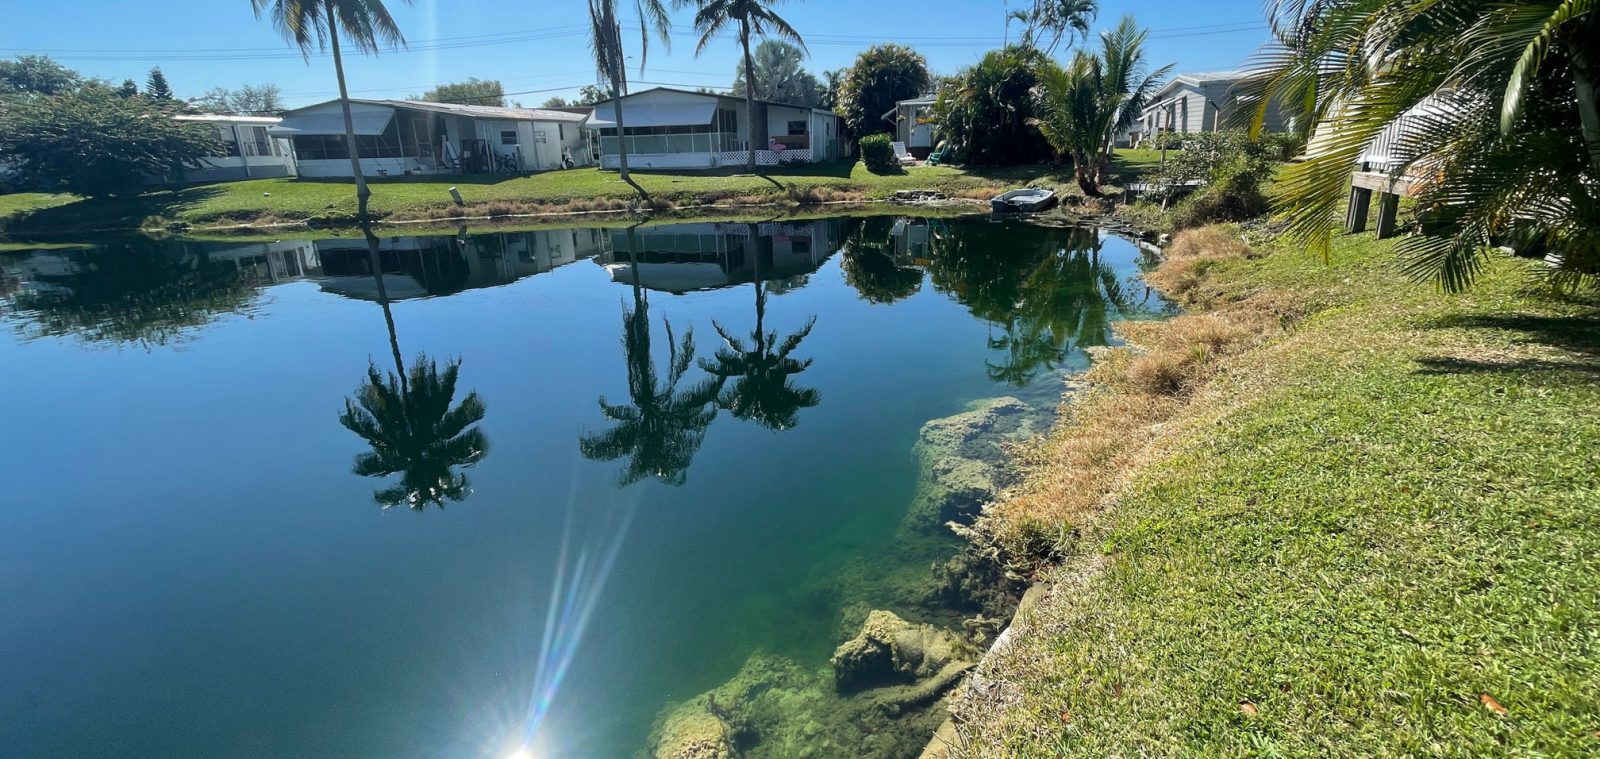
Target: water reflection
{"type": "Point", "coordinates": [662, 426]}
{"type": "Point", "coordinates": [1048, 295]}
{"type": "Point", "coordinates": [140, 292]}
{"type": "Point", "coordinates": [156, 292]}
{"type": "Point", "coordinates": [879, 254]}
{"type": "Point", "coordinates": [407, 418]}
{"type": "Point", "coordinates": [761, 370]}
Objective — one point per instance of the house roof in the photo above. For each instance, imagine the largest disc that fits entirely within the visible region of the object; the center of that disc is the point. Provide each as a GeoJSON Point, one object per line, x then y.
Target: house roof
{"type": "Point", "coordinates": [227, 118]}
{"type": "Point", "coordinates": [672, 114]}
{"type": "Point", "coordinates": [469, 111]}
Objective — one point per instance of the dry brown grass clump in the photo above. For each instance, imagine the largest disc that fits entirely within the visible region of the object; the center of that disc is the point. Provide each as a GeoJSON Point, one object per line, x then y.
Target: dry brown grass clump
{"type": "Point", "coordinates": [1191, 255]}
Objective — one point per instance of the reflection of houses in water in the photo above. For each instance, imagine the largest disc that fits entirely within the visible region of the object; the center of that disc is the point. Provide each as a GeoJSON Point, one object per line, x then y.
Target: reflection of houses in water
{"type": "Point", "coordinates": [412, 266]}
{"type": "Point", "coordinates": [911, 240]}
{"type": "Point", "coordinates": [439, 265]}
{"type": "Point", "coordinates": [679, 258]}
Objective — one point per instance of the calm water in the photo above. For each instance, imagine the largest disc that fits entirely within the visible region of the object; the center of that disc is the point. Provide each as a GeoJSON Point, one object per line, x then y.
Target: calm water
{"type": "Point", "coordinates": [227, 529]}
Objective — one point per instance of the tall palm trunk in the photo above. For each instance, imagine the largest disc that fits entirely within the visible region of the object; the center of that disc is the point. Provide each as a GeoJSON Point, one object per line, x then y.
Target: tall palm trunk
{"type": "Point", "coordinates": [749, 94]}
{"type": "Point", "coordinates": [619, 90]}
{"type": "Point", "coordinates": [362, 191]}
{"type": "Point", "coordinates": [1583, 80]}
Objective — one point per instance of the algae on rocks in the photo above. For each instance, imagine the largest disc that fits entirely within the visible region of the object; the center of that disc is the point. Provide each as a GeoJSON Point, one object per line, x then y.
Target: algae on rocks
{"type": "Point", "coordinates": [963, 459]}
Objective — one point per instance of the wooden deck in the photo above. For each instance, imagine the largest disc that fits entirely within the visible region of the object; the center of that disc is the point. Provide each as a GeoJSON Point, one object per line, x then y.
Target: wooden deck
{"type": "Point", "coordinates": [1389, 189]}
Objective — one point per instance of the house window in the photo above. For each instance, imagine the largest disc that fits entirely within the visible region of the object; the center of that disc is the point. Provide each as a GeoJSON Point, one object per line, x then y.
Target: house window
{"type": "Point", "coordinates": [800, 246]}
{"type": "Point", "coordinates": [797, 127]}
{"type": "Point", "coordinates": [508, 138]}
{"type": "Point", "coordinates": [540, 136]}
{"type": "Point", "coordinates": [727, 120]}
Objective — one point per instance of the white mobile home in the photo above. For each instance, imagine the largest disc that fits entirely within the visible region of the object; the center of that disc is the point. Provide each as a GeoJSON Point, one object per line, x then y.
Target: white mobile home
{"type": "Point", "coordinates": [248, 150]}
{"type": "Point", "coordinates": [1198, 102]}
{"type": "Point", "coordinates": [395, 137]}
{"type": "Point", "coordinates": [679, 129]}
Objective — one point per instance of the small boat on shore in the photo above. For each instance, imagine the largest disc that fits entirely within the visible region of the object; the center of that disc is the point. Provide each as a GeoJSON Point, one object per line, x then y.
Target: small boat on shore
{"type": "Point", "coordinates": [1027, 199]}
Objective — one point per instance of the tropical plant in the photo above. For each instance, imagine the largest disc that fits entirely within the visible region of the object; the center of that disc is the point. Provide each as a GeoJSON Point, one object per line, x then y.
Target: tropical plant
{"type": "Point", "coordinates": [308, 24]}
{"type": "Point", "coordinates": [877, 152]}
{"type": "Point", "coordinates": [987, 111]}
{"type": "Point", "coordinates": [880, 77]}
{"type": "Point", "coordinates": [1084, 104]}
{"type": "Point", "coordinates": [92, 141]}
{"type": "Point", "coordinates": [408, 420]}
{"type": "Point", "coordinates": [473, 91]}
{"type": "Point", "coordinates": [1060, 19]}
{"type": "Point", "coordinates": [1232, 168]}
{"type": "Point", "coordinates": [780, 77]}
{"type": "Point", "coordinates": [763, 390]}
{"type": "Point", "coordinates": [751, 17]}
{"type": "Point", "coordinates": [1492, 108]}
{"type": "Point", "coordinates": [832, 80]}
{"type": "Point", "coordinates": [605, 41]}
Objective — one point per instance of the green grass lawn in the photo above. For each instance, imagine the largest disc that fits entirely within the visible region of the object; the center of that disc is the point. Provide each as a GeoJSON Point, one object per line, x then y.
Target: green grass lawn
{"type": "Point", "coordinates": [300, 199]}
{"type": "Point", "coordinates": [1380, 535]}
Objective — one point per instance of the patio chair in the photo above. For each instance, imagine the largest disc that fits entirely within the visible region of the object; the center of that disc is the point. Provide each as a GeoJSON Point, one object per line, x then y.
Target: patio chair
{"type": "Point", "coordinates": [902, 154]}
{"type": "Point", "coordinates": [939, 156]}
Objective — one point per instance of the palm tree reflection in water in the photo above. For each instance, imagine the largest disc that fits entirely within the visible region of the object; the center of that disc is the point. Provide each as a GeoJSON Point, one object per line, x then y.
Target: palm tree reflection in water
{"type": "Point", "coordinates": [407, 417]}
{"type": "Point", "coordinates": [662, 426]}
{"type": "Point", "coordinates": [761, 370]}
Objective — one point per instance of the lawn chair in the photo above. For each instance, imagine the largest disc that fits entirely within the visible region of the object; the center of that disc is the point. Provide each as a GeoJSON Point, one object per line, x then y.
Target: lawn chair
{"type": "Point", "coordinates": [938, 157]}
{"type": "Point", "coordinates": [902, 154]}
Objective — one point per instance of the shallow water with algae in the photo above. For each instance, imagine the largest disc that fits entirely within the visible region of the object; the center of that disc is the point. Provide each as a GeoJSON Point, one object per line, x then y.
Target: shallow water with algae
{"type": "Point", "coordinates": [472, 494]}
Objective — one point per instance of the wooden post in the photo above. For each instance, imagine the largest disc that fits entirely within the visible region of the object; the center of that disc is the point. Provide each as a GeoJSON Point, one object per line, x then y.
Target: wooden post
{"type": "Point", "coordinates": [1388, 211]}
{"type": "Point", "coordinates": [1355, 219]}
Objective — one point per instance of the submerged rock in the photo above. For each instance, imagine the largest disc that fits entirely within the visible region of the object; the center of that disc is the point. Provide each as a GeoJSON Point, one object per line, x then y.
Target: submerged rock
{"type": "Point", "coordinates": [892, 651]}
{"type": "Point", "coordinates": [693, 732]}
{"type": "Point", "coordinates": [963, 459]}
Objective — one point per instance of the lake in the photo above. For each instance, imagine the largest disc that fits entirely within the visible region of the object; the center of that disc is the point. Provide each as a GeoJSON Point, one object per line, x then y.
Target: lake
{"type": "Point", "coordinates": [518, 489]}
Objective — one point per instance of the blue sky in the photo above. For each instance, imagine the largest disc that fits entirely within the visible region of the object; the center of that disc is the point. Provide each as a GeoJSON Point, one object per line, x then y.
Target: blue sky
{"type": "Point", "coordinates": [539, 47]}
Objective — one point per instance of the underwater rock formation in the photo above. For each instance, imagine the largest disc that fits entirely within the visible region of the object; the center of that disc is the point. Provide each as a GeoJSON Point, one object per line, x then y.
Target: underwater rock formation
{"type": "Point", "coordinates": [890, 651]}
{"type": "Point", "coordinates": [963, 459]}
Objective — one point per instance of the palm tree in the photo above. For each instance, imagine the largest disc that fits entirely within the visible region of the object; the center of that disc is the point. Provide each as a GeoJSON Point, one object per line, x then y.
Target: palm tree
{"type": "Point", "coordinates": [761, 370]}
{"type": "Point", "coordinates": [1084, 104]}
{"type": "Point", "coordinates": [365, 23]}
{"type": "Point", "coordinates": [1062, 18]}
{"type": "Point", "coordinates": [753, 17]}
{"type": "Point", "coordinates": [662, 426]}
{"type": "Point", "coordinates": [407, 419]}
{"type": "Point", "coordinates": [605, 41]}
{"type": "Point", "coordinates": [1495, 113]}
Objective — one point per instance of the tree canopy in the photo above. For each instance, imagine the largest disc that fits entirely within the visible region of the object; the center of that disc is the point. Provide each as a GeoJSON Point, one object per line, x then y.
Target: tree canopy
{"type": "Point", "coordinates": [95, 142]}
{"type": "Point", "coordinates": [987, 110]}
{"type": "Point", "coordinates": [780, 76]}
{"type": "Point", "coordinates": [473, 91]}
{"type": "Point", "coordinates": [156, 87]}
{"type": "Point", "coordinates": [881, 76]}
{"type": "Point", "coordinates": [257, 100]}
{"type": "Point", "coordinates": [37, 74]}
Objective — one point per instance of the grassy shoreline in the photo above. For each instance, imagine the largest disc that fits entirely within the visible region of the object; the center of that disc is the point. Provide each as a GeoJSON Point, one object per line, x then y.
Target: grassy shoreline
{"type": "Point", "coordinates": [331, 203]}
{"type": "Point", "coordinates": [1350, 516]}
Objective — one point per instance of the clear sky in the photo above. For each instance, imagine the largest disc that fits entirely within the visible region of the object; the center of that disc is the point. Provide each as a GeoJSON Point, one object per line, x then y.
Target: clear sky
{"type": "Point", "coordinates": [539, 48]}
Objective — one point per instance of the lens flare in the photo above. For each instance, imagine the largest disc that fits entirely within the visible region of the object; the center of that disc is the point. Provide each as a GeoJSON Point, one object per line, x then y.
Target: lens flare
{"type": "Point", "coordinates": [581, 574]}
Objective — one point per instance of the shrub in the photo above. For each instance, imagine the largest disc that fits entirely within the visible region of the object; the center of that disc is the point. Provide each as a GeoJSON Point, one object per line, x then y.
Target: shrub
{"type": "Point", "coordinates": [877, 151]}
{"type": "Point", "coordinates": [1233, 168]}
{"type": "Point", "coordinates": [988, 109]}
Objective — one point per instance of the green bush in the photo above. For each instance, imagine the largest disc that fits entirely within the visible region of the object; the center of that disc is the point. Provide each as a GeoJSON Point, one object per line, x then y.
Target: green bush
{"type": "Point", "coordinates": [877, 151]}
{"type": "Point", "coordinates": [1232, 167]}
{"type": "Point", "coordinates": [987, 111]}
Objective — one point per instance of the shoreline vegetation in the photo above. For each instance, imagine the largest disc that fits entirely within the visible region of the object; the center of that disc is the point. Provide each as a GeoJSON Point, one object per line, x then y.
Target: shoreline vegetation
{"type": "Point", "coordinates": [271, 205]}
{"type": "Point", "coordinates": [1325, 510]}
